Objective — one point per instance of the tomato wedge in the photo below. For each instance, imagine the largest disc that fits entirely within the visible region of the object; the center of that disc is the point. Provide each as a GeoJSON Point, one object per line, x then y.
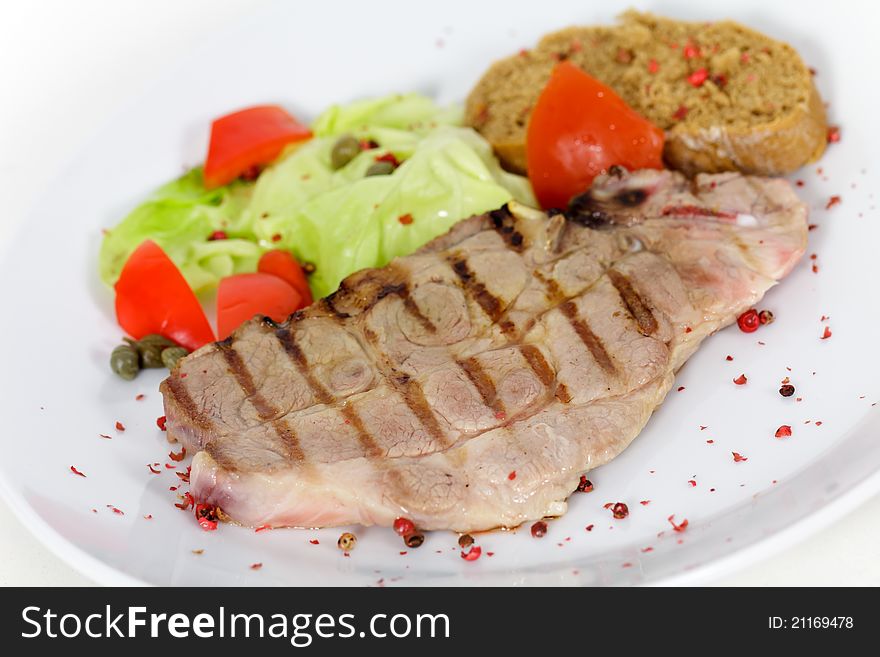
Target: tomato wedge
{"type": "Point", "coordinates": [247, 139]}
{"type": "Point", "coordinates": [153, 297]}
{"type": "Point", "coordinates": [578, 129]}
{"type": "Point", "coordinates": [242, 296]}
{"type": "Point", "coordinates": [283, 265]}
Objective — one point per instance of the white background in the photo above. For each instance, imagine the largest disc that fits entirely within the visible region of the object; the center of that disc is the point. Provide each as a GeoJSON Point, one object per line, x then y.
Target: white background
{"type": "Point", "coordinates": [65, 67]}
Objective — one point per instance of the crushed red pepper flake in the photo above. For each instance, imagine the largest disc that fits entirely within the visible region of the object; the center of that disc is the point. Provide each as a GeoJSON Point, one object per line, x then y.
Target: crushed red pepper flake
{"type": "Point", "coordinates": [703, 427]}
{"type": "Point", "coordinates": [680, 527]}
{"type": "Point", "coordinates": [647, 549]}
{"type": "Point", "coordinates": [653, 66]}
{"type": "Point", "coordinates": [170, 466]}
{"type": "Point", "coordinates": [76, 472]}
{"type": "Point", "coordinates": [818, 423]}
{"type": "Point", "coordinates": [698, 77]}
{"type": "Point", "coordinates": [645, 502]}
{"type": "Point", "coordinates": [178, 456]}
{"type": "Point", "coordinates": [692, 483]}
{"type": "Point", "coordinates": [833, 134]}
{"type": "Point", "coordinates": [738, 458]}
{"type": "Point", "coordinates": [741, 380]}
{"type": "Point", "coordinates": [729, 358]}
{"type": "Point", "coordinates": [120, 426]}
{"type": "Point", "coordinates": [710, 442]}
{"type": "Point", "coordinates": [140, 397]}
{"type": "Point", "coordinates": [198, 552]}
{"type": "Point", "coordinates": [149, 516]}
{"type": "Point", "coordinates": [262, 528]}
{"type": "Point", "coordinates": [105, 436]}
{"type": "Point", "coordinates": [826, 334]}
{"type": "Point", "coordinates": [115, 510]}
{"type": "Point", "coordinates": [152, 469]}
{"type": "Point", "coordinates": [256, 566]}
{"type": "Point", "coordinates": [619, 510]}
{"type": "Point", "coordinates": [160, 422]}
{"type": "Point", "coordinates": [681, 113]}
{"type": "Point", "coordinates": [784, 431]}
{"type": "Point", "coordinates": [405, 219]}
{"type": "Point", "coordinates": [314, 541]}
{"type": "Point", "coordinates": [186, 501]}
{"type": "Point", "coordinates": [512, 475]}
{"type": "Point", "coordinates": [834, 200]}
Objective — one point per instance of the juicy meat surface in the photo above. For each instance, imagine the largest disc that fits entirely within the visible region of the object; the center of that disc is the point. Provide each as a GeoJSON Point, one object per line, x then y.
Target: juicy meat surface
{"type": "Point", "coordinates": [469, 385]}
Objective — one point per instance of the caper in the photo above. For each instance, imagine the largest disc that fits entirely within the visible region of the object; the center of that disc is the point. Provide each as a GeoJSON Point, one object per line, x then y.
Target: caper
{"type": "Point", "coordinates": [380, 168]}
{"type": "Point", "coordinates": [344, 151]}
{"type": "Point", "coordinates": [171, 355]}
{"type": "Point", "coordinates": [150, 349]}
{"type": "Point", "coordinates": [124, 361]}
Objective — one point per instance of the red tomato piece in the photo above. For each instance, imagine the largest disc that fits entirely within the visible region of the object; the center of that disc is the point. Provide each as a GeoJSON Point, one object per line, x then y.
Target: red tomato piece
{"type": "Point", "coordinates": [153, 297]}
{"type": "Point", "coordinates": [283, 265]}
{"type": "Point", "coordinates": [247, 139]}
{"type": "Point", "coordinates": [242, 296]}
{"type": "Point", "coordinates": [579, 128]}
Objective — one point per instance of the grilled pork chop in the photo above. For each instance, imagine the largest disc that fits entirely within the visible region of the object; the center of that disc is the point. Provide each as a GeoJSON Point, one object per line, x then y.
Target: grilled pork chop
{"type": "Point", "coordinates": [469, 385]}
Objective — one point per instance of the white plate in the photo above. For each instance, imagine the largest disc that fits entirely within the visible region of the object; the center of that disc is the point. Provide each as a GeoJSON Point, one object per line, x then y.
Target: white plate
{"type": "Point", "coordinates": [58, 394]}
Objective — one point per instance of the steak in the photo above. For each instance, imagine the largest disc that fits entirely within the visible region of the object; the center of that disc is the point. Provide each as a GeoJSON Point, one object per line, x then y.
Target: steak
{"type": "Point", "coordinates": [469, 386]}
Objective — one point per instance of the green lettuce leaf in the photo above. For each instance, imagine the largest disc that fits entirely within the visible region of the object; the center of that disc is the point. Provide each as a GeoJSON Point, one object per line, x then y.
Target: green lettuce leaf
{"type": "Point", "coordinates": [342, 221]}
{"type": "Point", "coordinates": [339, 220]}
{"type": "Point", "coordinates": [179, 217]}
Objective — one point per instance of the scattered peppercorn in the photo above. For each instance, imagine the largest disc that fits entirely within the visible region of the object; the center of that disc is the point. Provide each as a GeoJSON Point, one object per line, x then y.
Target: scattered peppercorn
{"type": "Point", "coordinates": [414, 539]}
{"type": "Point", "coordinates": [308, 268]}
{"type": "Point", "coordinates": [206, 514]}
{"type": "Point", "coordinates": [404, 526]}
{"type": "Point", "coordinates": [347, 542]}
{"type": "Point", "coordinates": [539, 529]}
{"type": "Point", "coordinates": [765, 317]}
{"type": "Point", "coordinates": [749, 321]}
{"type": "Point", "coordinates": [465, 541]}
{"type": "Point", "coordinates": [787, 390]}
{"type": "Point", "coordinates": [585, 485]}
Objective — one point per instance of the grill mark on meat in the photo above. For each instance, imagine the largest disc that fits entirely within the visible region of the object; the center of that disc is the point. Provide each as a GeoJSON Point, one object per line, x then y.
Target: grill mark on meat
{"type": "Point", "coordinates": [590, 339]}
{"type": "Point", "coordinates": [288, 342]}
{"type": "Point", "coordinates": [477, 290]}
{"type": "Point", "coordinates": [483, 383]}
{"type": "Point", "coordinates": [553, 291]}
{"type": "Point", "coordinates": [265, 410]}
{"type": "Point", "coordinates": [539, 364]}
{"type": "Point", "coordinates": [504, 224]}
{"type": "Point", "coordinates": [402, 290]}
{"type": "Point", "coordinates": [233, 360]}
{"type": "Point", "coordinates": [562, 393]}
{"type": "Point", "coordinates": [634, 303]}
{"type": "Point", "coordinates": [181, 395]}
{"type": "Point", "coordinates": [414, 396]}
{"type": "Point", "coordinates": [329, 303]}
{"type": "Point", "coordinates": [364, 438]}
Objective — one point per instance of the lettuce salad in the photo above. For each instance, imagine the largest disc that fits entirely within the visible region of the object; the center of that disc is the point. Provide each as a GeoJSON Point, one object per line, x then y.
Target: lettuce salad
{"type": "Point", "coordinates": [340, 220]}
